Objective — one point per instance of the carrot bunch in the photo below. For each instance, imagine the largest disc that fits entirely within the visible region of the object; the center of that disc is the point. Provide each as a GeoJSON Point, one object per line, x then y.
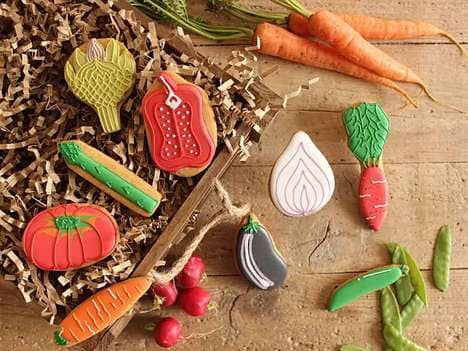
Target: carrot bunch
{"type": "Point", "coordinates": [345, 37]}
{"type": "Point", "coordinates": [339, 41]}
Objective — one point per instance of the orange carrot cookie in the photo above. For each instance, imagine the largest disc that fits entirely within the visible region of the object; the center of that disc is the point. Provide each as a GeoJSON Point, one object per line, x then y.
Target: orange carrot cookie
{"type": "Point", "coordinates": [101, 73]}
{"type": "Point", "coordinates": [100, 310]}
{"type": "Point", "coordinates": [111, 177]}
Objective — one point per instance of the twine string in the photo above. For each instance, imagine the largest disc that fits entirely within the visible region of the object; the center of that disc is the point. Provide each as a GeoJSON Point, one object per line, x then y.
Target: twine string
{"type": "Point", "coordinates": [229, 212]}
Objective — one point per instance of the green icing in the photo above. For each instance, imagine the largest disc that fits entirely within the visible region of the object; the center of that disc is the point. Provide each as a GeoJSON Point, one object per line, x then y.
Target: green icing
{"type": "Point", "coordinates": [73, 154]}
{"type": "Point", "coordinates": [102, 83]}
{"type": "Point", "coordinates": [251, 226]}
{"type": "Point", "coordinates": [67, 222]}
{"type": "Point", "coordinates": [59, 340]}
{"type": "Point", "coordinates": [367, 129]}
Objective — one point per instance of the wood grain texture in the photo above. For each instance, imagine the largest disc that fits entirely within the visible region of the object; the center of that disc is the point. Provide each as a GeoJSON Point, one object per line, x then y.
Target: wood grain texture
{"type": "Point", "coordinates": [426, 162]}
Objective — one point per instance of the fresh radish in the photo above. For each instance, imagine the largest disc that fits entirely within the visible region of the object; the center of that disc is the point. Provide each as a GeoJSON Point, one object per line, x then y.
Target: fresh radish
{"type": "Point", "coordinates": [166, 294]}
{"type": "Point", "coordinates": [373, 194]}
{"type": "Point", "coordinates": [192, 273]}
{"type": "Point", "coordinates": [195, 301]}
{"type": "Point", "coordinates": [168, 332]}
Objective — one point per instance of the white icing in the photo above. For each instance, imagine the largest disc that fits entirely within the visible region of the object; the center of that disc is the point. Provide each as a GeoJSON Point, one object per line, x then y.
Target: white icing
{"type": "Point", "coordinates": [251, 267]}
{"type": "Point", "coordinates": [302, 180]}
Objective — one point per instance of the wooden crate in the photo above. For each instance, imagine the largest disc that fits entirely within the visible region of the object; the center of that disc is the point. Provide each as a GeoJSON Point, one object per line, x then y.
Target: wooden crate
{"type": "Point", "coordinates": [174, 232]}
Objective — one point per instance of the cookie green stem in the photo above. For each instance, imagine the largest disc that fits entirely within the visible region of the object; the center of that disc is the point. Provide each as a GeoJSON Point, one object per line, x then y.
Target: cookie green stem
{"type": "Point", "coordinates": [59, 340]}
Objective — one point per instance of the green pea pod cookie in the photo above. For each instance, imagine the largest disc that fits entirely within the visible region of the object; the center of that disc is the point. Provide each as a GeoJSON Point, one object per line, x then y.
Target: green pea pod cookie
{"type": "Point", "coordinates": [364, 284]}
{"type": "Point", "coordinates": [411, 310]}
{"type": "Point", "coordinates": [441, 259]}
{"type": "Point", "coordinates": [404, 288]}
{"type": "Point", "coordinates": [353, 348]}
{"type": "Point", "coordinates": [397, 341]}
{"type": "Point", "coordinates": [415, 275]}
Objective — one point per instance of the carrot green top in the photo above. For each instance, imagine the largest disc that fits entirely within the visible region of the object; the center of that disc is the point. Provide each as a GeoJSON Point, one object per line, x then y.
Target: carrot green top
{"type": "Point", "coordinates": [367, 128]}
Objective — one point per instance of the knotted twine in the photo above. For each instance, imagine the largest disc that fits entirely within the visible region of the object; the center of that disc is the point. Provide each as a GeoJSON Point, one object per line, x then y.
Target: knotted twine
{"type": "Point", "coordinates": [229, 212]}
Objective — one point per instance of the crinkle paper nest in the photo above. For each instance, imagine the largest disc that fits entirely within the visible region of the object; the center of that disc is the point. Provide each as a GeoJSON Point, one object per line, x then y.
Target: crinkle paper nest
{"type": "Point", "coordinates": [37, 110]}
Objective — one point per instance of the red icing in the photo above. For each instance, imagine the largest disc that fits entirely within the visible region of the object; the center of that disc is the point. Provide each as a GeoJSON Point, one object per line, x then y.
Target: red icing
{"type": "Point", "coordinates": [52, 249]}
{"type": "Point", "coordinates": [373, 193]}
{"type": "Point", "coordinates": [180, 136]}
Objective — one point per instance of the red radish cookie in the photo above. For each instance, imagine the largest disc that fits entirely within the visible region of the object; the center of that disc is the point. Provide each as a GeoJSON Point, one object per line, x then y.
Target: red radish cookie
{"type": "Point", "coordinates": [195, 301]}
{"type": "Point", "coordinates": [192, 274]}
{"type": "Point", "coordinates": [166, 293]}
{"type": "Point", "coordinates": [373, 194]}
{"type": "Point", "coordinates": [168, 332]}
{"type": "Point", "coordinates": [70, 236]}
{"type": "Point", "coordinates": [180, 125]}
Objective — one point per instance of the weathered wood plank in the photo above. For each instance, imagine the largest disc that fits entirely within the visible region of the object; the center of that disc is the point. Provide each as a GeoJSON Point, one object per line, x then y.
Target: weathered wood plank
{"type": "Point", "coordinates": [445, 72]}
{"type": "Point", "coordinates": [293, 318]}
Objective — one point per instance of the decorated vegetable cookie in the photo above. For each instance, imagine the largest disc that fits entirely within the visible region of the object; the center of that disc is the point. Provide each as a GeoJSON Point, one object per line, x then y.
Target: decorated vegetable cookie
{"type": "Point", "coordinates": [257, 258]}
{"type": "Point", "coordinates": [101, 73]}
{"type": "Point", "coordinates": [111, 177]}
{"type": "Point", "coordinates": [70, 237]}
{"type": "Point", "coordinates": [367, 128]}
{"type": "Point", "coordinates": [302, 180]}
{"type": "Point", "coordinates": [100, 310]}
{"type": "Point", "coordinates": [366, 283]}
{"type": "Point", "coordinates": [180, 125]}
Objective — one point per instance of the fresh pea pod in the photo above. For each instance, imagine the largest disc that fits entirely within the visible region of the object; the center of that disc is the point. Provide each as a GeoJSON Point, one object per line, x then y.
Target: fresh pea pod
{"type": "Point", "coordinates": [397, 341]}
{"type": "Point", "coordinates": [353, 348]}
{"type": "Point", "coordinates": [404, 288]}
{"type": "Point", "coordinates": [411, 310]}
{"type": "Point", "coordinates": [390, 311]}
{"type": "Point", "coordinates": [366, 283]}
{"type": "Point", "coordinates": [416, 277]}
{"type": "Point", "coordinates": [441, 259]}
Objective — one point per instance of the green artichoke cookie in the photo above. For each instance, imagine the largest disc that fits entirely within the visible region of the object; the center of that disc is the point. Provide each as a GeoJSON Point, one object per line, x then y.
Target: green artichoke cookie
{"type": "Point", "coordinates": [101, 73]}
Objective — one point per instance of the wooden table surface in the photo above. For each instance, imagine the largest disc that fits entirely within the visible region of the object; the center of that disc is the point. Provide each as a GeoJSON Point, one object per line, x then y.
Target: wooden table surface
{"type": "Point", "coordinates": [426, 162]}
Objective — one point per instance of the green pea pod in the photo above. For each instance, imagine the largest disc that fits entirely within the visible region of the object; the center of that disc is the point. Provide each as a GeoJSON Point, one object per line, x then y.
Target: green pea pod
{"type": "Point", "coordinates": [404, 288]}
{"type": "Point", "coordinates": [397, 341]}
{"type": "Point", "coordinates": [364, 284]}
{"type": "Point", "coordinates": [352, 348]}
{"type": "Point", "coordinates": [416, 277]}
{"type": "Point", "coordinates": [441, 259]}
{"type": "Point", "coordinates": [411, 310]}
{"type": "Point", "coordinates": [390, 311]}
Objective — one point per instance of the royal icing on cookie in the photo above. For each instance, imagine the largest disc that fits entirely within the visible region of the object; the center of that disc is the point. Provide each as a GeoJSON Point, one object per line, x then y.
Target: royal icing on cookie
{"type": "Point", "coordinates": [373, 194]}
{"type": "Point", "coordinates": [70, 237]}
{"type": "Point", "coordinates": [177, 132]}
{"type": "Point", "coordinates": [101, 74]}
{"type": "Point", "coordinates": [367, 128]}
{"type": "Point", "coordinates": [257, 257]}
{"type": "Point", "coordinates": [100, 310]}
{"type": "Point", "coordinates": [110, 176]}
{"type": "Point", "coordinates": [302, 180]}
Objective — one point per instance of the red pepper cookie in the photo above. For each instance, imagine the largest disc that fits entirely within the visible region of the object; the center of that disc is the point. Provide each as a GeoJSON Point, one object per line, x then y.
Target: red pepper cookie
{"type": "Point", "coordinates": [70, 236]}
{"type": "Point", "coordinates": [180, 125]}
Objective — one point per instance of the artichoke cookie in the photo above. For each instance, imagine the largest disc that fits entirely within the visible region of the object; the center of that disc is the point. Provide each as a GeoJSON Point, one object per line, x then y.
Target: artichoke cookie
{"type": "Point", "coordinates": [102, 73]}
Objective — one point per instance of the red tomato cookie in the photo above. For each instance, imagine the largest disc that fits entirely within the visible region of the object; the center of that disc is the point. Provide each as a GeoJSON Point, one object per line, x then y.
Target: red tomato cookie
{"type": "Point", "coordinates": [180, 125]}
{"type": "Point", "coordinates": [70, 236]}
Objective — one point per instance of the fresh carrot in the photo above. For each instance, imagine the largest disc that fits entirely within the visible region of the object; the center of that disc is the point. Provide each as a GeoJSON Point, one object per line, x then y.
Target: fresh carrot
{"type": "Point", "coordinates": [332, 29]}
{"type": "Point", "coordinates": [279, 42]}
{"type": "Point", "coordinates": [101, 310]}
{"type": "Point", "coordinates": [374, 28]}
